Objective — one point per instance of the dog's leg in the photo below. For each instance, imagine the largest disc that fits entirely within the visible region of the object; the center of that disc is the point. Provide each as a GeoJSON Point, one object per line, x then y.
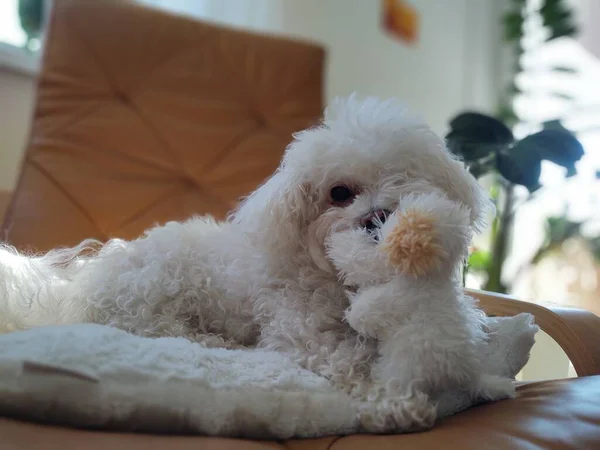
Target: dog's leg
{"type": "Point", "coordinates": [349, 366]}
{"type": "Point", "coordinates": [325, 348]}
{"type": "Point", "coordinates": [493, 387]}
{"type": "Point", "coordinates": [379, 309]}
{"type": "Point", "coordinates": [384, 413]}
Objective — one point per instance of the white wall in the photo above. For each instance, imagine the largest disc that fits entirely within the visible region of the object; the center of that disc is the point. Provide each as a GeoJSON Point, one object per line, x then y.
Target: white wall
{"type": "Point", "coordinates": [452, 66]}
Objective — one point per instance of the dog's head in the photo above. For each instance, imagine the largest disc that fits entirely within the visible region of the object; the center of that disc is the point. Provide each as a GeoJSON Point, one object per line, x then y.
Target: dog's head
{"type": "Point", "coordinates": [345, 176]}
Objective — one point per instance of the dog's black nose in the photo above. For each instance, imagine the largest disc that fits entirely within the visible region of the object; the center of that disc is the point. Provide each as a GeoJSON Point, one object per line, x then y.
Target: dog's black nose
{"type": "Point", "coordinates": [374, 219]}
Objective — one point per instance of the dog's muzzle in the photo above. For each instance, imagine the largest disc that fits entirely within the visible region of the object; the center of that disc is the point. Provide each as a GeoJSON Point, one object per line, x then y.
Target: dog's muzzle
{"type": "Point", "coordinates": [373, 220]}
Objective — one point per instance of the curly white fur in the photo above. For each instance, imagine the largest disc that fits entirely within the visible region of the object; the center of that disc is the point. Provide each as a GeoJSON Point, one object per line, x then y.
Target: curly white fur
{"type": "Point", "coordinates": [265, 277]}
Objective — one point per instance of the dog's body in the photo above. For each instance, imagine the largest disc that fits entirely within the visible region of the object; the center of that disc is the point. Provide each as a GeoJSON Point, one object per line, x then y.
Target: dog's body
{"type": "Point", "coordinates": [265, 277]}
{"type": "Point", "coordinates": [198, 279]}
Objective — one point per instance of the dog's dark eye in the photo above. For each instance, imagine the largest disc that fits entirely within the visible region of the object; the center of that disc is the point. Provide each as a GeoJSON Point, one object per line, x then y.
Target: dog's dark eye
{"type": "Point", "coordinates": [341, 195]}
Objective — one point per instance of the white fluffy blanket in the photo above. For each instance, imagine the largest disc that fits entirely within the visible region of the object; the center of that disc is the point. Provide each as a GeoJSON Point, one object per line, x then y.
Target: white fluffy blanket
{"type": "Point", "coordinates": [100, 377]}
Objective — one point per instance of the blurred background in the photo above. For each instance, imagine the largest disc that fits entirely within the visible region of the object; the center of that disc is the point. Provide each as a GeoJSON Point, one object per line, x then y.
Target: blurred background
{"type": "Point", "coordinates": [529, 64]}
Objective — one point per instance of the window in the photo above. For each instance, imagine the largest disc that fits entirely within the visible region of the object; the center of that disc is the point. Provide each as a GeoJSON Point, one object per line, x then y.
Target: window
{"type": "Point", "coordinates": [19, 44]}
{"type": "Point", "coordinates": [10, 27]}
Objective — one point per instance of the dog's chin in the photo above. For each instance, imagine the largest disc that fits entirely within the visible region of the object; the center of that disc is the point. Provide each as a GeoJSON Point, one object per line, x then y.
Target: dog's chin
{"type": "Point", "coordinates": [357, 257]}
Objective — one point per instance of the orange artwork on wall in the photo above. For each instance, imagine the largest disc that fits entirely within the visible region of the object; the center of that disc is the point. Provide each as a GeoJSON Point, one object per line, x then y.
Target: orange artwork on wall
{"type": "Point", "coordinates": [401, 19]}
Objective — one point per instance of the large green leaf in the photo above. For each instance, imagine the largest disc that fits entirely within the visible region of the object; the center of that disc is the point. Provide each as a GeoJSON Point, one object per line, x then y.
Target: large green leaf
{"type": "Point", "coordinates": [31, 16]}
{"type": "Point", "coordinates": [487, 128]}
{"type": "Point", "coordinates": [473, 136]}
{"type": "Point", "coordinates": [558, 17]}
{"type": "Point", "coordinates": [469, 148]}
{"type": "Point", "coordinates": [554, 125]}
{"type": "Point", "coordinates": [558, 32]}
{"type": "Point", "coordinates": [482, 167]}
{"type": "Point", "coordinates": [520, 166]}
{"type": "Point", "coordinates": [521, 163]}
{"type": "Point", "coordinates": [556, 145]}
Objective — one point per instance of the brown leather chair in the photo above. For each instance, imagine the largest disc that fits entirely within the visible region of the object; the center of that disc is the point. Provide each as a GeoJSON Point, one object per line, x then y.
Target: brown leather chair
{"type": "Point", "coordinates": [144, 117]}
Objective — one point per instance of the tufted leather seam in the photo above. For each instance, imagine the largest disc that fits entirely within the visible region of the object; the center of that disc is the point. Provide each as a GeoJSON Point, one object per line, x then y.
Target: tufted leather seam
{"type": "Point", "coordinates": [295, 83]}
{"type": "Point", "coordinates": [140, 212]}
{"type": "Point", "coordinates": [241, 175]}
{"type": "Point", "coordinates": [235, 142]}
{"type": "Point", "coordinates": [205, 190]}
{"type": "Point", "coordinates": [124, 155]}
{"type": "Point", "coordinates": [156, 133]}
{"type": "Point", "coordinates": [131, 106]}
{"type": "Point", "coordinates": [109, 77]}
{"type": "Point", "coordinates": [67, 195]}
{"type": "Point", "coordinates": [80, 83]}
{"type": "Point", "coordinates": [86, 49]}
{"type": "Point", "coordinates": [234, 71]}
{"type": "Point", "coordinates": [161, 65]}
{"type": "Point", "coordinates": [171, 153]}
{"type": "Point", "coordinates": [158, 136]}
{"type": "Point", "coordinates": [116, 91]}
{"type": "Point", "coordinates": [109, 80]}
{"type": "Point", "coordinates": [169, 174]}
{"type": "Point", "coordinates": [76, 118]}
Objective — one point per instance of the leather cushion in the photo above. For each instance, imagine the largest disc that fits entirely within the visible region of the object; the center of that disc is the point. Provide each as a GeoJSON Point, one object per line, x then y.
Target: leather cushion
{"type": "Point", "coordinates": [144, 117]}
{"type": "Point", "coordinates": [563, 414]}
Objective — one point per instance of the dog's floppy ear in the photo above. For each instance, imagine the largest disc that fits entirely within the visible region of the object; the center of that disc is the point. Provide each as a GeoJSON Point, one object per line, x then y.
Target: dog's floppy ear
{"type": "Point", "coordinates": [276, 214]}
{"type": "Point", "coordinates": [462, 186]}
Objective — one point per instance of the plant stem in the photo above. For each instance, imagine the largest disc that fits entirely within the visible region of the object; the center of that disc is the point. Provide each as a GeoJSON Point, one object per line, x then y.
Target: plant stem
{"type": "Point", "coordinates": [500, 244]}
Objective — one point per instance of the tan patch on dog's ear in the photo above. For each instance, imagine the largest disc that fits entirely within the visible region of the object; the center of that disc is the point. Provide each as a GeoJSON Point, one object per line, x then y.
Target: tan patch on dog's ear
{"type": "Point", "coordinates": [412, 246]}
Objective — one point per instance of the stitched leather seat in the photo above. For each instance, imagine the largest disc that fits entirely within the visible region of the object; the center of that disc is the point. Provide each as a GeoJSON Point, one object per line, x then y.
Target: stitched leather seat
{"type": "Point", "coordinates": [549, 415]}
{"type": "Point", "coordinates": [143, 117]}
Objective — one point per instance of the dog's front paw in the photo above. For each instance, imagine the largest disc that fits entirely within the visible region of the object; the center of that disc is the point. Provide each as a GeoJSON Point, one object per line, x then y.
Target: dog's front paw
{"type": "Point", "coordinates": [372, 310]}
{"type": "Point", "coordinates": [408, 413]}
{"type": "Point", "coordinates": [363, 320]}
{"type": "Point", "coordinates": [492, 388]}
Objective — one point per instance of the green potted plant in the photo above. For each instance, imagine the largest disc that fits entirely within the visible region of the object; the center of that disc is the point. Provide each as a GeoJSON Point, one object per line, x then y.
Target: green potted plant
{"type": "Point", "coordinates": [488, 146]}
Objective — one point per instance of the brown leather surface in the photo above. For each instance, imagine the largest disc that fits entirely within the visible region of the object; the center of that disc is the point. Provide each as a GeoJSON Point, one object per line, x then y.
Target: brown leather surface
{"type": "Point", "coordinates": [5, 197]}
{"type": "Point", "coordinates": [546, 415]}
{"type": "Point", "coordinates": [144, 117]}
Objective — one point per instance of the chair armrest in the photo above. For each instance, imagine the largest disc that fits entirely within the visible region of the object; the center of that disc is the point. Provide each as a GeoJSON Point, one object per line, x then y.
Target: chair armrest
{"type": "Point", "coordinates": [575, 330]}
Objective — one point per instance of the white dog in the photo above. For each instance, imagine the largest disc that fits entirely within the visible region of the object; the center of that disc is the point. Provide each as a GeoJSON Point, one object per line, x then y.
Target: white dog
{"type": "Point", "coordinates": [266, 276]}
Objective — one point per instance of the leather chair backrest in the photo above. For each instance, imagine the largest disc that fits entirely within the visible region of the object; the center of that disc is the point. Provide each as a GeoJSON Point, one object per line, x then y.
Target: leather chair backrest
{"type": "Point", "coordinates": [144, 117]}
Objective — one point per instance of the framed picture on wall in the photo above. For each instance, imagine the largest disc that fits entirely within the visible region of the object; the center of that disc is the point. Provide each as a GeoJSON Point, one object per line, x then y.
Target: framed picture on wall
{"type": "Point", "coordinates": [400, 19]}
